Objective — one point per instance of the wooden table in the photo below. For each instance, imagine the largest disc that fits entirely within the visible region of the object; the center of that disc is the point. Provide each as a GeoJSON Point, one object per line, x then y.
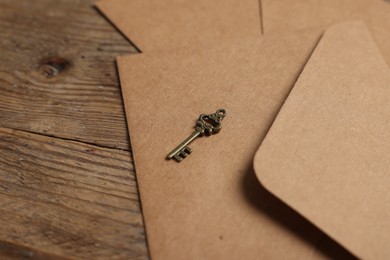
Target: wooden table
{"type": "Point", "coordinates": [67, 183]}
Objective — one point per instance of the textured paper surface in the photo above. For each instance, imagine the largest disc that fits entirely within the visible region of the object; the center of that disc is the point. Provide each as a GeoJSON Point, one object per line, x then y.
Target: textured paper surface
{"type": "Point", "coordinates": [288, 15]}
{"type": "Point", "coordinates": [211, 206]}
{"type": "Point", "coordinates": [328, 152]}
{"type": "Point", "coordinates": [173, 24]}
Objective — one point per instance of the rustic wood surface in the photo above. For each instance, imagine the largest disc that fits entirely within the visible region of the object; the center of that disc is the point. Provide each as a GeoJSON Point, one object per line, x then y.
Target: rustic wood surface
{"type": "Point", "coordinates": [67, 182]}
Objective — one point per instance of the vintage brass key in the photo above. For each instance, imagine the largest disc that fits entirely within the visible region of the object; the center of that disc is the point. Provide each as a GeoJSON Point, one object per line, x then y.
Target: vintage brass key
{"type": "Point", "coordinates": [205, 125]}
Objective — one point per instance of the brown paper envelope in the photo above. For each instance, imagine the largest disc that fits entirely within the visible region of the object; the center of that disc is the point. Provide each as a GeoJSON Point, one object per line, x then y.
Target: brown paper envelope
{"type": "Point", "coordinates": [287, 15]}
{"type": "Point", "coordinates": [328, 152]}
{"type": "Point", "coordinates": [172, 24]}
{"type": "Point", "coordinates": [210, 206]}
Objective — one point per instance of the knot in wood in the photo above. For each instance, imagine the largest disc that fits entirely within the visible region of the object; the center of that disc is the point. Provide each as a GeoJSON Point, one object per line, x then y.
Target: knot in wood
{"type": "Point", "coordinates": [53, 66]}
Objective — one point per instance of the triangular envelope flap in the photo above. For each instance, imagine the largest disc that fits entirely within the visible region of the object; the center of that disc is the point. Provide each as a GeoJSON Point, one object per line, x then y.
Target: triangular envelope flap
{"type": "Point", "coordinates": [285, 15]}
{"type": "Point", "coordinates": [327, 154]}
{"type": "Point", "coordinates": [210, 205]}
{"type": "Point", "coordinates": [173, 24]}
{"type": "Point", "coordinates": [288, 15]}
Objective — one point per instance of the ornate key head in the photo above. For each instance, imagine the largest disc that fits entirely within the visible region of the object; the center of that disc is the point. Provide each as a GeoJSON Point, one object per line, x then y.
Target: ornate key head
{"type": "Point", "coordinates": [210, 124]}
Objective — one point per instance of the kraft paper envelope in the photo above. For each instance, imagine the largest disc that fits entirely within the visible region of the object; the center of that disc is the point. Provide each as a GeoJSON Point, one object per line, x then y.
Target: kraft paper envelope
{"type": "Point", "coordinates": [328, 152]}
{"type": "Point", "coordinates": [211, 206]}
{"type": "Point", "coordinates": [172, 24]}
{"type": "Point", "coordinates": [288, 15]}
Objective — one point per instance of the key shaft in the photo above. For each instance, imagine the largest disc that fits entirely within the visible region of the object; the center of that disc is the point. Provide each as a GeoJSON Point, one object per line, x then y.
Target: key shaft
{"type": "Point", "coordinates": [182, 145]}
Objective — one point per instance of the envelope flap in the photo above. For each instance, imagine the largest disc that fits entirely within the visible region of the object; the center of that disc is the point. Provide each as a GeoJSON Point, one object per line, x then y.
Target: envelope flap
{"type": "Point", "coordinates": [293, 15]}
{"type": "Point", "coordinates": [327, 154]}
{"type": "Point", "coordinates": [284, 15]}
{"type": "Point", "coordinates": [173, 24]}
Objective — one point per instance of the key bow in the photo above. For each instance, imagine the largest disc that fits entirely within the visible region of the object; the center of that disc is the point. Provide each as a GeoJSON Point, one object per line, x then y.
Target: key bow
{"type": "Point", "coordinates": [211, 123]}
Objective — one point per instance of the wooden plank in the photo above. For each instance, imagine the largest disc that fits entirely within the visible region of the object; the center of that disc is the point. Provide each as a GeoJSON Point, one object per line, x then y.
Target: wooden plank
{"type": "Point", "coordinates": [57, 71]}
{"type": "Point", "coordinates": [14, 251]}
{"type": "Point", "coordinates": [67, 199]}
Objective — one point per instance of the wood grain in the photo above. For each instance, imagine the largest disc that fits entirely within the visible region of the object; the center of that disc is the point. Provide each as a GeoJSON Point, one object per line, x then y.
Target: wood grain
{"type": "Point", "coordinates": [65, 199]}
{"type": "Point", "coordinates": [57, 71]}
